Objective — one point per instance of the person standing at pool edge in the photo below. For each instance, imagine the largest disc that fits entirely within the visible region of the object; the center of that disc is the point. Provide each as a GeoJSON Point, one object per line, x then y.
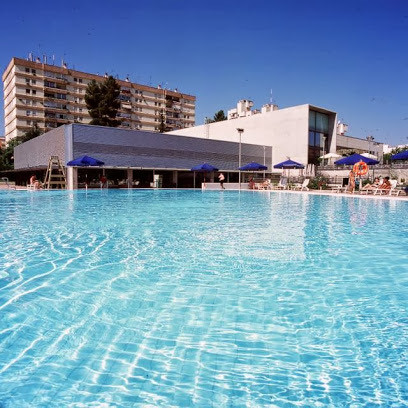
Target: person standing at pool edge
{"type": "Point", "coordinates": [221, 178]}
{"type": "Point", "coordinates": [352, 182]}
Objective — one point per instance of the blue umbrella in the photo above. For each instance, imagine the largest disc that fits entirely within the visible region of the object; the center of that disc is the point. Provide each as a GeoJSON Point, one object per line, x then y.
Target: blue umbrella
{"type": "Point", "coordinates": [85, 161]}
{"type": "Point", "coordinates": [204, 167]}
{"type": "Point", "coordinates": [400, 156]}
{"type": "Point", "coordinates": [355, 158]}
{"type": "Point", "coordinates": [289, 164]}
{"type": "Point", "coordinates": [253, 166]}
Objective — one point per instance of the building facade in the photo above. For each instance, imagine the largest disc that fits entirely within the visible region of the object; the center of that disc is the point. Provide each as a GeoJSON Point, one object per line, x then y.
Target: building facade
{"type": "Point", "coordinates": [133, 153]}
{"type": "Point", "coordinates": [47, 95]}
{"type": "Point", "coordinates": [302, 133]}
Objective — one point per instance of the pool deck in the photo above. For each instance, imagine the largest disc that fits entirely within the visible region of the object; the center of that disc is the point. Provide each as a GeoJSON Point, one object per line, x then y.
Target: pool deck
{"type": "Point", "coordinates": [314, 192]}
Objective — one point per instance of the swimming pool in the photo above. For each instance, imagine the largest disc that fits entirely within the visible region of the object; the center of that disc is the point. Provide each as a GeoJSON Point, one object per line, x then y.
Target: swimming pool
{"type": "Point", "coordinates": [187, 298]}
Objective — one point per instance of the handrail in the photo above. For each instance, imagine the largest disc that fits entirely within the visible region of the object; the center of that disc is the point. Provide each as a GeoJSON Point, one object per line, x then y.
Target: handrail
{"type": "Point", "coordinates": [9, 187]}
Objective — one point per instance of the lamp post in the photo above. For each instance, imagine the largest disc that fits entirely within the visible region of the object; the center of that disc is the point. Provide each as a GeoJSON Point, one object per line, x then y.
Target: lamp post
{"type": "Point", "coordinates": [240, 131]}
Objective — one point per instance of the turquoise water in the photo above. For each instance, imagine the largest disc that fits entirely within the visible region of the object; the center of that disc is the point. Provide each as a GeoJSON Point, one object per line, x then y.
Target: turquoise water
{"type": "Point", "coordinates": [204, 299]}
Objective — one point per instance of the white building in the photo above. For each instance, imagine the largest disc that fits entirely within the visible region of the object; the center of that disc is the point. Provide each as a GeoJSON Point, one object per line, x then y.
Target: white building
{"type": "Point", "coordinates": [302, 133]}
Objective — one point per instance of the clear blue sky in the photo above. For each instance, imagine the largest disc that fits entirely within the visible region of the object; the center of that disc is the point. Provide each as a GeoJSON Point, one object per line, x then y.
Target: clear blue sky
{"type": "Point", "coordinates": [349, 56]}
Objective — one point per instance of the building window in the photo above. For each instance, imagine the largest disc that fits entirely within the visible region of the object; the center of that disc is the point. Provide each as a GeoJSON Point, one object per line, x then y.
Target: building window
{"type": "Point", "coordinates": [27, 91]}
{"type": "Point", "coordinates": [33, 71]}
{"type": "Point", "coordinates": [80, 80]}
{"type": "Point", "coordinates": [318, 135]}
{"type": "Point", "coordinates": [27, 70]}
{"type": "Point", "coordinates": [75, 80]}
{"type": "Point", "coordinates": [34, 92]}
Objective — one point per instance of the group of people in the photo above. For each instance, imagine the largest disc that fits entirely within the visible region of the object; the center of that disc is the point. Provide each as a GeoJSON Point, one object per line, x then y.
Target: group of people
{"type": "Point", "coordinates": [378, 183]}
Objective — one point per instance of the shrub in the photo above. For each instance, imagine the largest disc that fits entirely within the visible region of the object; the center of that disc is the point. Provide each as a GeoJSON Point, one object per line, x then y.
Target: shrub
{"type": "Point", "coordinates": [318, 183]}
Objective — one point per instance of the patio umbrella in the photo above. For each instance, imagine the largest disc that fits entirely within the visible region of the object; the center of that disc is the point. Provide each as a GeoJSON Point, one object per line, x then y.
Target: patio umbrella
{"type": "Point", "coordinates": [253, 166]}
{"type": "Point", "coordinates": [289, 164]}
{"type": "Point", "coordinates": [85, 161]}
{"type": "Point", "coordinates": [400, 156]}
{"type": "Point", "coordinates": [330, 156]}
{"type": "Point", "coordinates": [203, 168]}
{"type": "Point", "coordinates": [369, 155]}
{"type": "Point", "coordinates": [355, 158]}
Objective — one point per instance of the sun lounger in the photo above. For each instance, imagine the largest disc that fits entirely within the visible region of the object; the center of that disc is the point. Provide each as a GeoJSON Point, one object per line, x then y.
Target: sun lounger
{"type": "Point", "coordinates": [388, 191]}
{"type": "Point", "coordinates": [303, 186]}
{"type": "Point", "coordinates": [282, 185]}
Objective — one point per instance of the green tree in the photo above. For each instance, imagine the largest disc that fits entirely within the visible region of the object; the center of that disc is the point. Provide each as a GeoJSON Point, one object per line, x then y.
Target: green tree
{"type": "Point", "coordinates": [32, 133]}
{"type": "Point", "coordinates": [218, 117]}
{"type": "Point", "coordinates": [387, 156]}
{"type": "Point", "coordinates": [162, 125]}
{"type": "Point", "coordinates": [7, 153]}
{"type": "Point", "coordinates": [102, 101]}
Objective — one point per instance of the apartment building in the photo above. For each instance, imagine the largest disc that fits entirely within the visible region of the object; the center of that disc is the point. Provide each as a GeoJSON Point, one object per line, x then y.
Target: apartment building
{"type": "Point", "coordinates": [48, 95]}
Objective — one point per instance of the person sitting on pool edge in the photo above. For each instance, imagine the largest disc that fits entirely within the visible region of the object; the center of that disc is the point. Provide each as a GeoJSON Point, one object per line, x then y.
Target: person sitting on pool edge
{"type": "Point", "coordinates": [35, 183]}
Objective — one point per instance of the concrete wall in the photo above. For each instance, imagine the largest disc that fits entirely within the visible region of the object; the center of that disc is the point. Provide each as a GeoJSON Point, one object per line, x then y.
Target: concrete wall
{"type": "Point", "coordinates": [36, 152]}
{"type": "Point", "coordinates": [362, 145]}
{"type": "Point", "coordinates": [286, 130]}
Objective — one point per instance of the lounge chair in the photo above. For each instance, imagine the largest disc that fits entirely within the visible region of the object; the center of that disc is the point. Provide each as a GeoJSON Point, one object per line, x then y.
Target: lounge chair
{"type": "Point", "coordinates": [303, 186]}
{"type": "Point", "coordinates": [265, 185]}
{"type": "Point", "coordinates": [388, 191]}
{"type": "Point", "coordinates": [283, 184]}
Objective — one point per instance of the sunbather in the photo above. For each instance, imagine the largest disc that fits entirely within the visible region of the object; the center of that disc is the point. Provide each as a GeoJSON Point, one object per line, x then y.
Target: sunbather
{"type": "Point", "coordinates": [386, 185]}
{"type": "Point", "coordinates": [372, 186]}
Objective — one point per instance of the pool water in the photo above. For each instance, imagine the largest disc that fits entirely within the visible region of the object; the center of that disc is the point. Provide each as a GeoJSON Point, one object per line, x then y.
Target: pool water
{"type": "Point", "coordinates": [207, 299]}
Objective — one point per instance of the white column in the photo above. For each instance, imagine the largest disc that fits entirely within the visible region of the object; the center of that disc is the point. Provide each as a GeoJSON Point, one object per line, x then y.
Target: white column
{"type": "Point", "coordinates": [129, 178]}
{"type": "Point", "coordinates": [72, 178]}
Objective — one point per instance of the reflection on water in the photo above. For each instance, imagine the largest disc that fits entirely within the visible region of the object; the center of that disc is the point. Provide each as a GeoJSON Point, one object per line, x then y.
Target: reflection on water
{"type": "Point", "coordinates": [190, 298]}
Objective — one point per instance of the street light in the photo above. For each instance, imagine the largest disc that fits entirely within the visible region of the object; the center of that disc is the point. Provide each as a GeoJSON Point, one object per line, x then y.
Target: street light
{"type": "Point", "coordinates": [240, 131]}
